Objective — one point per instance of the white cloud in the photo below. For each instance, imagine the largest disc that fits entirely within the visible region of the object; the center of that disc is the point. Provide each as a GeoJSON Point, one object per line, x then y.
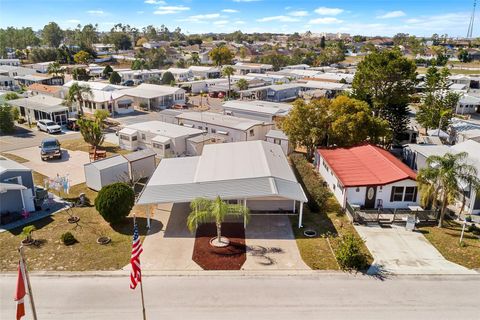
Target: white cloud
{"type": "Point", "coordinates": [140, 12]}
{"type": "Point", "coordinates": [278, 18]}
{"type": "Point", "coordinates": [239, 22]}
{"type": "Point", "coordinates": [201, 17]}
{"type": "Point", "coordinates": [299, 13]}
{"type": "Point", "coordinates": [155, 2]}
{"type": "Point", "coordinates": [392, 14]}
{"type": "Point", "coordinates": [170, 9]}
{"type": "Point", "coordinates": [97, 13]}
{"type": "Point", "coordinates": [324, 11]}
{"type": "Point", "coordinates": [230, 10]}
{"type": "Point", "coordinates": [326, 20]}
{"type": "Point", "coordinates": [221, 22]}
{"type": "Point", "coordinates": [75, 21]}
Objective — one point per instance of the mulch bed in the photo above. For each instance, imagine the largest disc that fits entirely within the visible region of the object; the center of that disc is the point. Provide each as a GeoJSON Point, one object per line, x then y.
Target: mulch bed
{"type": "Point", "coordinates": [231, 257]}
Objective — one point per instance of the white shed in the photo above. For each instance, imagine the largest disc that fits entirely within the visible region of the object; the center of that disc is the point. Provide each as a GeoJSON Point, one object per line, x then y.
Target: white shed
{"type": "Point", "coordinates": [280, 138]}
{"type": "Point", "coordinates": [141, 164]}
{"type": "Point", "coordinates": [106, 171]}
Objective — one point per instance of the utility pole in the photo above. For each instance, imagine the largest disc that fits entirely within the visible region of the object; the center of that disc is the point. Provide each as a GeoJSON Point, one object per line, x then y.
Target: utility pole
{"type": "Point", "coordinates": [472, 21]}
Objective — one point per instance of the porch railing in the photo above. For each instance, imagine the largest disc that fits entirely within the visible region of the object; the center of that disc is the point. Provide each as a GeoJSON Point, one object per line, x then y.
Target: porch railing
{"type": "Point", "coordinates": [390, 216]}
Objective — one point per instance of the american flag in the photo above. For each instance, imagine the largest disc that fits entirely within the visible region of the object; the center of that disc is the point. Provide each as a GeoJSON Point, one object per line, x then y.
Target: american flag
{"type": "Point", "coordinates": [136, 273]}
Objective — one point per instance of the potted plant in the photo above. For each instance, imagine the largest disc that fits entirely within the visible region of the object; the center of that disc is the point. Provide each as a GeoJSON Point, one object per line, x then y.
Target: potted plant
{"type": "Point", "coordinates": [27, 233]}
{"type": "Point", "coordinates": [468, 218]}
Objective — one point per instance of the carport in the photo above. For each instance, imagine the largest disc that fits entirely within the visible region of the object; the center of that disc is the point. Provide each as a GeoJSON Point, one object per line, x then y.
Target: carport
{"type": "Point", "coordinates": [253, 173]}
{"type": "Point", "coordinates": [41, 107]}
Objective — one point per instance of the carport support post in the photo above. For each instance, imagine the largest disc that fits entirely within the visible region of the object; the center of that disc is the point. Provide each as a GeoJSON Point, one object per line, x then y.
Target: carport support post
{"type": "Point", "coordinates": [245, 217]}
{"type": "Point", "coordinates": [300, 218]}
{"type": "Point", "coordinates": [148, 216]}
{"type": "Point", "coordinates": [294, 205]}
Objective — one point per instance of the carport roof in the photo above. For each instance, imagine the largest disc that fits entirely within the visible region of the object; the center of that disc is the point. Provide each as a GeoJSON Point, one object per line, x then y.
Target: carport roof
{"type": "Point", "coordinates": [234, 170]}
{"type": "Point", "coordinates": [40, 102]}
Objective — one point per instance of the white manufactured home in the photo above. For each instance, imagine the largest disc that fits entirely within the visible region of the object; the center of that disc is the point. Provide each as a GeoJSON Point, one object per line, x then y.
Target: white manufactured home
{"type": "Point", "coordinates": [234, 129]}
{"type": "Point", "coordinates": [166, 139]}
{"type": "Point", "coordinates": [368, 177]}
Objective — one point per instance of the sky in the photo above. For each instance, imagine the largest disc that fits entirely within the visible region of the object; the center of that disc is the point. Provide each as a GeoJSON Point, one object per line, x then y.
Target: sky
{"type": "Point", "coordinates": [367, 17]}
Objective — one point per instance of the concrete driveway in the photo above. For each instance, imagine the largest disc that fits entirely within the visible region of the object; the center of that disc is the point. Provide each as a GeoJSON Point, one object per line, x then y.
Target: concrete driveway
{"type": "Point", "coordinates": [398, 251]}
{"type": "Point", "coordinates": [169, 246]}
{"type": "Point", "coordinates": [72, 163]}
{"type": "Point", "coordinates": [271, 244]}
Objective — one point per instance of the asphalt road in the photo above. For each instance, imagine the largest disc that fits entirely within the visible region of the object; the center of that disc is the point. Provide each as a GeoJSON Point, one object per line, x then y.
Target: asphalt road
{"type": "Point", "coordinates": [206, 296]}
{"type": "Point", "coordinates": [25, 138]}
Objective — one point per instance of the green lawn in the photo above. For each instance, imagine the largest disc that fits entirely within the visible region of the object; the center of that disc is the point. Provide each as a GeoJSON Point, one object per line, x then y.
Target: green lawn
{"type": "Point", "coordinates": [446, 240]}
{"type": "Point", "coordinates": [81, 145]}
{"type": "Point", "coordinates": [14, 157]}
{"type": "Point", "coordinates": [86, 254]}
{"type": "Point", "coordinates": [330, 225]}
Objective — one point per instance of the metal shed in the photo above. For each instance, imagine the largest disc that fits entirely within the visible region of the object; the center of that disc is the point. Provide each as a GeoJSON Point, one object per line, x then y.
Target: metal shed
{"type": "Point", "coordinates": [106, 171]}
{"type": "Point", "coordinates": [141, 164]}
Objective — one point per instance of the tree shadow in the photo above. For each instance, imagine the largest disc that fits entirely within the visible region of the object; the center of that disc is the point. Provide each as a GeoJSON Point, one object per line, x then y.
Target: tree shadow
{"type": "Point", "coordinates": [39, 224]}
{"type": "Point", "coordinates": [377, 271]}
{"type": "Point", "coordinates": [126, 226]}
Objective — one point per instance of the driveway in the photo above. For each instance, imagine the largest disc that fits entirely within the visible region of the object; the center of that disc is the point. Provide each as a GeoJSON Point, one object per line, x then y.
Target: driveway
{"type": "Point", "coordinates": [271, 244]}
{"type": "Point", "coordinates": [169, 246]}
{"type": "Point", "coordinates": [269, 239]}
{"type": "Point", "coordinates": [71, 163]}
{"type": "Point", "coordinates": [398, 251]}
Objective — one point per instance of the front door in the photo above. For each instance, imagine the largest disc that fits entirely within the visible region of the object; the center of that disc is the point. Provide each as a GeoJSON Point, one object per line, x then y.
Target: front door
{"type": "Point", "coordinates": [370, 197]}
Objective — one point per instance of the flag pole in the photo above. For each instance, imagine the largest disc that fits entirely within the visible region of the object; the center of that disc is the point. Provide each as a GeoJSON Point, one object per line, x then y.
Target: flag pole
{"type": "Point", "coordinates": [143, 302]}
{"type": "Point", "coordinates": [141, 281]}
{"type": "Point", "coordinates": [29, 288]}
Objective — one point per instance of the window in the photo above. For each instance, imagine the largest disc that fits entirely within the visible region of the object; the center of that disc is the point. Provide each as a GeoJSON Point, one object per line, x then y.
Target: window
{"type": "Point", "coordinates": [357, 190]}
{"type": "Point", "coordinates": [213, 130]}
{"type": "Point", "coordinates": [15, 180]}
{"type": "Point", "coordinates": [252, 133]}
{"type": "Point", "coordinates": [277, 141]}
{"type": "Point", "coordinates": [157, 145]}
{"type": "Point", "coordinates": [410, 194]}
{"type": "Point", "coordinates": [134, 138]}
{"type": "Point", "coordinates": [167, 146]}
{"type": "Point", "coordinates": [143, 136]}
{"type": "Point", "coordinates": [124, 137]}
{"type": "Point", "coordinates": [397, 194]}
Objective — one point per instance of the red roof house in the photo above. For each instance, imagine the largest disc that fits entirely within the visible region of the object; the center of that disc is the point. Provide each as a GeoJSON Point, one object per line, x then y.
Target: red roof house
{"type": "Point", "coordinates": [367, 175]}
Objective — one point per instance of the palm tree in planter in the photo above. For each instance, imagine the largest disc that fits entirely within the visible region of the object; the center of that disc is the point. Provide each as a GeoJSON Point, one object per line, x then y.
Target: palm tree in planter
{"type": "Point", "coordinates": [444, 176]}
{"type": "Point", "coordinates": [242, 84]}
{"type": "Point", "coordinates": [228, 72]}
{"type": "Point", "coordinates": [76, 93]}
{"type": "Point", "coordinates": [205, 210]}
{"type": "Point", "coordinates": [27, 233]}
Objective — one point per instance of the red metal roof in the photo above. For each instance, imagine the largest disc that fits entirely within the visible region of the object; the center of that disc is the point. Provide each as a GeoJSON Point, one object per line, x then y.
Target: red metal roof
{"type": "Point", "coordinates": [365, 165]}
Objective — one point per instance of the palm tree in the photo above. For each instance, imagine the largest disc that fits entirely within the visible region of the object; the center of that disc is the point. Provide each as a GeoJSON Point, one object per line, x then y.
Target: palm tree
{"type": "Point", "coordinates": [205, 210]}
{"type": "Point", "coordinates": [56, 69]}
{"type": "Point", "coordinates": [445, 175]}
{"type": "Point", "coordinates": [242, 84]}
{"type": "Point", "coordinates": [194, 59]}
{"type": "Point", "coordinates": [228, 72]}
{"type": "Point", "coordinates": [76, 93]}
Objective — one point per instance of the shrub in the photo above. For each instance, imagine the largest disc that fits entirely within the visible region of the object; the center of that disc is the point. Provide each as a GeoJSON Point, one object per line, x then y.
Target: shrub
{"type": "Point", "coordinates": [6, 119]}
{"type": "Point", "coordinates": [27, 232]}
{"type": "Point", "coordinates": [316, 192]}
{"type": "Point", "coordinates": [474, 229]}
{"type": "Point", "coordinates": [115, 201]}
{"type": "Point", "coordinates": [68, 239]}
{"type": "Point", "coordinates": [349, 254]}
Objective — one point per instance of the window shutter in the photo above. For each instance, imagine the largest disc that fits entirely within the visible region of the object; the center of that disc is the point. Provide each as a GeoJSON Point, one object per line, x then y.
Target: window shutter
{"type": "Point", "coordinates": [391, 194]}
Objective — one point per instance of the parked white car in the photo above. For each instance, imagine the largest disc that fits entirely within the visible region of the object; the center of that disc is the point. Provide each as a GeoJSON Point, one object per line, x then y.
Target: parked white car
{"type": "Point", "coordinates": [48, 126]}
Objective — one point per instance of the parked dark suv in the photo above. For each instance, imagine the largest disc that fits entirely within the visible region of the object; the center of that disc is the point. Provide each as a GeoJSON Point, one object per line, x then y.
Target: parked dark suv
{"type": "Point", "coordinates": [50, 149]}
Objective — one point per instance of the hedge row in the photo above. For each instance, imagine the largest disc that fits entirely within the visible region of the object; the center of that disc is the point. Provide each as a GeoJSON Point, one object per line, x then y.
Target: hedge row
{"type": "Point", "coordinates": [312, 184]}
